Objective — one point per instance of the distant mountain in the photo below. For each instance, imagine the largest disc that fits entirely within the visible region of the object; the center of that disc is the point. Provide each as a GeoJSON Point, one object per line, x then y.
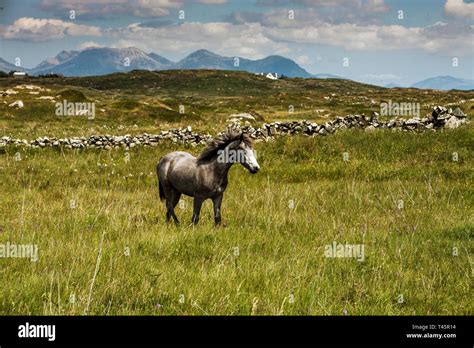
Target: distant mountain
{"type": "Point", "coordinates": [52, 62]}
{"type": "Point", "coordinates": [160, 59]}
{"type": "Point", "coordinates": [277, 64]}
{"type": "Point", "coordinates": [102, 61]}
{"type": "Point", "coordinates": [445, 83]}
{"type": "Point", "coordinates": [327, 76]}
{"type": "Point", "coordinates": [7, 67]}
{"type": "Point", "coordinates": [203, 59]}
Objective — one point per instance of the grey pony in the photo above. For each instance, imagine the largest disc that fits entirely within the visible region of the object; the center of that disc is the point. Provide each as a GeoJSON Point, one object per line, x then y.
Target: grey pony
{"type": "Point", "coordinates": [204, 177]}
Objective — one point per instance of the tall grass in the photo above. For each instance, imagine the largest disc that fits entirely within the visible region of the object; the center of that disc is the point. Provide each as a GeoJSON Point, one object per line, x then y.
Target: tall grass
{"type": "Point", "coordinates": [105, 249]}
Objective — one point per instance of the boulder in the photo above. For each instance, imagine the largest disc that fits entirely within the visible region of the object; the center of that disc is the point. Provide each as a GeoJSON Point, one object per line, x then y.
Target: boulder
{"type": "Point", "coordinates": [439, 110]}
{"type": "Point", "coordinates": [452, 123]}
{"type": "Point", "coordinates": [369, 129]}
{"type": "Point", "coordinates": [458, 113]}
{"type": "Point", "coordinates": [19, 104]}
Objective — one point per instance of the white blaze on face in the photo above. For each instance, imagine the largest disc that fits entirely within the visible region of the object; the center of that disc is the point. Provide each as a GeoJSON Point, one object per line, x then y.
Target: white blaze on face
{"type": "Point", "coordinates": [250, 158]}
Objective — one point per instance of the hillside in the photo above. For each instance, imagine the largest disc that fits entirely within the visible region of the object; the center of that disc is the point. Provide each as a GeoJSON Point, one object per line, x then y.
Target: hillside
{"type": "Point", "coordinates": [152, 99]}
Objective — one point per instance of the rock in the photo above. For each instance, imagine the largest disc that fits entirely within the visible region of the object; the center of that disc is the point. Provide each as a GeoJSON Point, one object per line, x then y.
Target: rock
{"type": "Point", "coordinates": [238, 118]}
{"type": "Point", "coordinates": [412, 122]}
{"type": "Point", "coordinates": [458, 113]}
{"type": "Point", "coordinates": [369, 129]}
{"type": "Point", "coordinates": [245, 116]}
{"type": "Point", "coordinates": [452, 123]}
{"type": "Point", "coordinates": [443, 117]}
{"type": "Point", "coordinates": [439, 110]}
{"type": "Point", "coordinates": [19, 104]}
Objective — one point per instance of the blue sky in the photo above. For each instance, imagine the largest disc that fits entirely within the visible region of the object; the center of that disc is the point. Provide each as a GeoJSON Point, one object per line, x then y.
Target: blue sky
{"type": "Point", "coordinates": [381, 44]}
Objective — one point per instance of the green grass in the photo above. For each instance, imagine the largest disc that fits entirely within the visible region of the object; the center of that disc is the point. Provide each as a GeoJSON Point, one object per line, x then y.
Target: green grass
{"type": "Point", "coordinates": [268, 253]}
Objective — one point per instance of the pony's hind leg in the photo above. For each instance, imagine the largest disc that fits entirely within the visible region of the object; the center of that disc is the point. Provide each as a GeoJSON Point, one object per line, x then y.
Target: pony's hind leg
{"type": "Point", "coordinates": [196, 209]}
{"type": "Point", "coordinates": [171, 204]}
{"type": "Point", "coordinates": [168, 195]}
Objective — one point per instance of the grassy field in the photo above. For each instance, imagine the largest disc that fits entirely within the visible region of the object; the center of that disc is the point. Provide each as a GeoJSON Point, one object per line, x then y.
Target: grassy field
{"type": "Point", "coordinates": [105, 249]}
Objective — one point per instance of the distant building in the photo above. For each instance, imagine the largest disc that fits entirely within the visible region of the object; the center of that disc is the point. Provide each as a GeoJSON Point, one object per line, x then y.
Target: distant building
{"type": "Point", "coordinates": [19, 74]}
{"type": "Point", "coordinates": [269, 75]}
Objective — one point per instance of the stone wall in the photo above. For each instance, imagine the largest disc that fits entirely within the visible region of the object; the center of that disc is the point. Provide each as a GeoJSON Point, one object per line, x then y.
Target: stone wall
{"type": "Point", "coordinates": [440, 118]}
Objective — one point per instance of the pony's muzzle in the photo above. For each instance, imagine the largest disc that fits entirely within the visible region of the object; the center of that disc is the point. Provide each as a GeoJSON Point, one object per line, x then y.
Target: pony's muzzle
{"type": "Point", "coordinates": [254, 170]}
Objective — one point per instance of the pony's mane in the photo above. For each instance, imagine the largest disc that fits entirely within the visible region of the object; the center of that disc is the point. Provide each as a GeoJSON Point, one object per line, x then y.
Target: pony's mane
{"type": "Point", "coordinates": [221, 141]}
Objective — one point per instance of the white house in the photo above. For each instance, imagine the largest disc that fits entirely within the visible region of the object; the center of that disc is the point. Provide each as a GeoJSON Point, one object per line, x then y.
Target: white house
{"type": "Point", "coordinates": [19, 74]}
{"type": "Point", "coordinates": [270, 76]}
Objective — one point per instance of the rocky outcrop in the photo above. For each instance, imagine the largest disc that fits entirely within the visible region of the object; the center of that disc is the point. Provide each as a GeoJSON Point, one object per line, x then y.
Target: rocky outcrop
{"type": "Point", "coordinates": [184, 135]}
{"type": "Point", "coordinates": [440, 118]}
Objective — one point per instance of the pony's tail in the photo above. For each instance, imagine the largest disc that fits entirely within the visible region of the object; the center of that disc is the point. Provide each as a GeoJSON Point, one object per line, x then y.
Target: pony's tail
{"type": "Point", "coordinates": [160, 185]}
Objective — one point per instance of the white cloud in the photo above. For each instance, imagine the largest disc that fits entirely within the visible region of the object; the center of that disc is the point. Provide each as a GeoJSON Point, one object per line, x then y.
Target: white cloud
{"type": "Point", "coordinates": [331, 11]}
{"type": "Point", "coordinates": [246, 40]}
{"type": "Point", "coordinates": [88, 44]}
{"type": "Point", "coordinates": [256, 40]}
{"type": "Point", "coordinates": [303, 59]}
{"type": "Point", "coordinates": [37, 30]}
{"type": "Point", "coordinates": [211, 2]}
{"type": "Point", "coordinates": [90, 9]}
{"type": "Point", "coordinates": [434, 38]}
{"type": "Point", "coordinates": [459, 8]}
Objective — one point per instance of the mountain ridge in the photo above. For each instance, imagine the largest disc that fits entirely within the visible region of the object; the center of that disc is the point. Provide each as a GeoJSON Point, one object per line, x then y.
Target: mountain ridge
{"type": "Point", "coordinates": [445, 82]}
{"type": "Point", "coordinates": [103, 60]}
{"type": "Point", "coordinates": [97, 61]}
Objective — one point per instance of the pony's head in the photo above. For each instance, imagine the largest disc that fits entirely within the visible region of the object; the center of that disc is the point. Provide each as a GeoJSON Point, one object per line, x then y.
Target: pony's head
{"type": "Point", "coordinates": [232, 146]}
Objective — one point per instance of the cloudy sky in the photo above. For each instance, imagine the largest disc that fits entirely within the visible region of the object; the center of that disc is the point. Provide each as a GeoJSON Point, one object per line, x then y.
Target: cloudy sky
{"type": "Point", "coordinates": [381, 41]}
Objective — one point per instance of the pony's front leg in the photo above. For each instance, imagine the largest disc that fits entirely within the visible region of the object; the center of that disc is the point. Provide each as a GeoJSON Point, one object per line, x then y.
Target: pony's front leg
{"type": "Point", "coordinates": [217, 209]}
{"type": "Point", "coordinates": [197, 209]}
